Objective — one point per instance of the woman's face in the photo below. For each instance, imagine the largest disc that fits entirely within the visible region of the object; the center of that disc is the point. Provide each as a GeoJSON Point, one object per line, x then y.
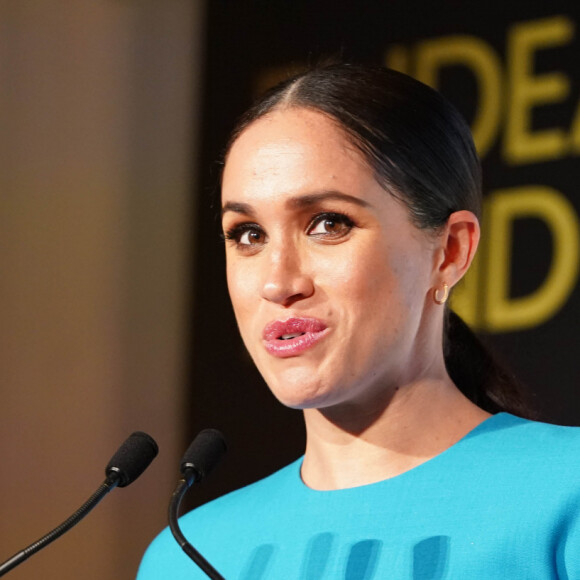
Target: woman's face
{"type": "Point", "coordinates": [330, 281]}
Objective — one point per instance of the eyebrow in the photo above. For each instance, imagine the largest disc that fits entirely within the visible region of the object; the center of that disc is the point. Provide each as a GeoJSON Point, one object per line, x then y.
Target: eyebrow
{"type": "Point", "coordinates": [316, 197]}
{"type": "Point", "coordinates": [299, 202]}
{"type": "Point", "coordinates": [238, 207]}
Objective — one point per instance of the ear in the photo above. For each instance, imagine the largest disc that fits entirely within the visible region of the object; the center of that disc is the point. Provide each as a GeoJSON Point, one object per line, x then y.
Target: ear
{"type": "Point", "coordinates": [459, 240]}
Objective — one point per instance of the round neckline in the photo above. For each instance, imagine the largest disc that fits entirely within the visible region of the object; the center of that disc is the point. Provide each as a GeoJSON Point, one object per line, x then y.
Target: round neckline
{"type": "Point", "coordinates": [429, 463]}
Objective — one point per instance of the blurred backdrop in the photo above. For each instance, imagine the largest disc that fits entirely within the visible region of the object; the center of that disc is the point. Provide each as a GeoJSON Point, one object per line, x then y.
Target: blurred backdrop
{"type": "Point", "coordinates": [113, 308]}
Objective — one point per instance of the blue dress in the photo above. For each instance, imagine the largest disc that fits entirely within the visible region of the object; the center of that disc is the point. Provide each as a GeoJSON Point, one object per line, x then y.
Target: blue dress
{"type": "Point", "coordinates": [503, 502]}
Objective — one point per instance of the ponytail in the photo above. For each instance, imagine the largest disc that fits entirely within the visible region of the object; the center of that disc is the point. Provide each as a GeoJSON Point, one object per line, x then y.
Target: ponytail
{"type": "Point", "coordinates": [478, 375]}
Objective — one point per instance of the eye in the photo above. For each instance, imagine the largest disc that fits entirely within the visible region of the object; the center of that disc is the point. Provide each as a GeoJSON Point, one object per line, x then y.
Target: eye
{"type": "Point", "coordinates": [251, 237]}
{"type": "Point", "coordinates": [246, 235]}
{"type": "Point", "coordinates": [330, 225]}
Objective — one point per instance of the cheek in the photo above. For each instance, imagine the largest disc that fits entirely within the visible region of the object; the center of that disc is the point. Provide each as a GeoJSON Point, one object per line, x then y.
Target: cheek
{"type": "Point", "coordinates": [362, 276]}
{"type": "Point", "coordinates": [242, 290]}
{"type": "Point", "coordinates": [375, 284]}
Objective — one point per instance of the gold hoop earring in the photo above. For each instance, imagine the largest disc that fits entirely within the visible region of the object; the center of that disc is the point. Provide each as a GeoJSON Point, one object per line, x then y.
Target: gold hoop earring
{"type": "Point", "coordinates": [443, 299]}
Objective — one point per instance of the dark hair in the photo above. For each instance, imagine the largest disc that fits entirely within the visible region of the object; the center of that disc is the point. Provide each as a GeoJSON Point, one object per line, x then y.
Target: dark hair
{"type": "Point", "coordinates": [421, 151]}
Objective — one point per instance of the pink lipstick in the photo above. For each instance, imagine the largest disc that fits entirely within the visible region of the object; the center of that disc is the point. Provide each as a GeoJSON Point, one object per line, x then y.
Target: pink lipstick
{"type": "Point", "coordinates": [291, 337]}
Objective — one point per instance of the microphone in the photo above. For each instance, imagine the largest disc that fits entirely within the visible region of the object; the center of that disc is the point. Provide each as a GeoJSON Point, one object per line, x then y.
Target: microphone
{"type": "Point", "coordinates": [128, 463]}
{"type": "Point", "coordinates": [132, 458]}
{"type": "Point", "coordinates": [201, 457]}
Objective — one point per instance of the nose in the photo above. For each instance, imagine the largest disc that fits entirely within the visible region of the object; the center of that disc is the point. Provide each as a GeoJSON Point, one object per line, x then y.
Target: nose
{"type": "Point", "coordinates": [286, 279]}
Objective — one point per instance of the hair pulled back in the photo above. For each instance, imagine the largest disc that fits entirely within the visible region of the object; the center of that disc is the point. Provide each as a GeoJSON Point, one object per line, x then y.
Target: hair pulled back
{"type": "Point", "coordinates": [421, 151]}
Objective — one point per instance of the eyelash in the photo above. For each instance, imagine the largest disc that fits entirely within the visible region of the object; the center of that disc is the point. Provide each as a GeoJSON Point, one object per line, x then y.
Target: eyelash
{"type": "Point", "coordinates": [235, 233]}
{"type": "Point", "coordinates": [340, 218]}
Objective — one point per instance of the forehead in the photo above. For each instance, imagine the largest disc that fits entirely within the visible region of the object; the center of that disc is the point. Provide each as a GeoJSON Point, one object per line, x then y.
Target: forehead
{"type": "Point", "coordinates": [291, 124]}
{"type": "Point", "coordinates": [292, 150]}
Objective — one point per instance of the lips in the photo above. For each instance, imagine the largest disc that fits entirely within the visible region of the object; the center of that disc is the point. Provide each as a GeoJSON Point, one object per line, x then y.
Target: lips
{"type": "Point", "coordinates": [293, 336]}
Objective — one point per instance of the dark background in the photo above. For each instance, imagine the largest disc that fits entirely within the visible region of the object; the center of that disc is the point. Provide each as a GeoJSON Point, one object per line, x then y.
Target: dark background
{"type": "Point", "coordinates": [247, 39]}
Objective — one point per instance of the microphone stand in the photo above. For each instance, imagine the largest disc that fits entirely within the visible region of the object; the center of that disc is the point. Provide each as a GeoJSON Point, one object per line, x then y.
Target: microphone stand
{"type": "Point", "coordinates": [128, 463]}
{"type": "Point", "coordinates": [108, 485]}
{"type": "Point", "coordinates": [190, 476]}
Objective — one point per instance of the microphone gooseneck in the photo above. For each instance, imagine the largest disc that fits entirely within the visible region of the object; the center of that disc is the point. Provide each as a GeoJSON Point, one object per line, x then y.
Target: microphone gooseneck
{"type": "Point", "coordinates": [201, 457]}
{"type": "Point", "coordinates": [128, 463]}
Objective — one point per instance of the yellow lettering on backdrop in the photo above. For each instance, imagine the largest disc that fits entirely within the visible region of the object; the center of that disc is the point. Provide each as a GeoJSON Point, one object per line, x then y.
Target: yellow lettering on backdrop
{"type": "Point", "coordinates": [525, 91]}
{"type": "Point", "coordinates": [575, 132]}
{"type": "Point", "coordinates": [481, 59]}
{"type": "Point", "coordinates": [503, 313]}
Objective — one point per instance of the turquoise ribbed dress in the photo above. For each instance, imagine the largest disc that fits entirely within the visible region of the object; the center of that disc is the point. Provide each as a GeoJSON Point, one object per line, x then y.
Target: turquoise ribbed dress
{"type": "Point", "coordinates": [503, 502]}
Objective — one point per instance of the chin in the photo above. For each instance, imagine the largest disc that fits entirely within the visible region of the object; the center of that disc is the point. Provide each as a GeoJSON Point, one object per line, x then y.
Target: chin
{"type": "Point", "coordinates": [297, 392]}
{"type": "Point", "coordinates": [300, 382]}
{"type": "Point", "coordinates": [306, 394]}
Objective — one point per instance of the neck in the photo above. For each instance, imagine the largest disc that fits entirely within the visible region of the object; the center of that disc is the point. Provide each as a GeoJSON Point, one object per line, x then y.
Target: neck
{"type": "Point", "coordinates": [349, 446]}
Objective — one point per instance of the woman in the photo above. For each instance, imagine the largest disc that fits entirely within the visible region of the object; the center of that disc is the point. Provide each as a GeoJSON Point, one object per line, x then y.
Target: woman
{"type": "Point", "coordinates": [350, 201]}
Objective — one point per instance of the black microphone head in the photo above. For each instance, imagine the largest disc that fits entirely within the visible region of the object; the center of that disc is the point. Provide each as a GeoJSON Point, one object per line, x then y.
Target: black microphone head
{"type": "Point", "coordinates": [204, 453]}
{"type": "Point", "coordinates": [132, 458]}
